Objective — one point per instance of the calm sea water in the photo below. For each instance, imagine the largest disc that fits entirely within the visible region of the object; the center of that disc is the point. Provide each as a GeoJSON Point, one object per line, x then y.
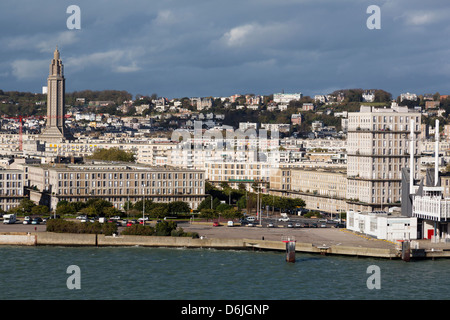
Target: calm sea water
{"type": "Point", "coordinates": [205, 274]}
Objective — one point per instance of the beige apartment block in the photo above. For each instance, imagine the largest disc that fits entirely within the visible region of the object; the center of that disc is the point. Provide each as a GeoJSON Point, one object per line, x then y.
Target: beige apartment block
{"type": "Point", "coordinates": [234, 173]}
{"type": "Point", "coordinates": [116, 183]}
{"type": "Point", "coordinates": [322, 189]}
{"type": "Point", "coordinates": [11, 188]}
{"type": "Point", "coordinates": [378, 147]}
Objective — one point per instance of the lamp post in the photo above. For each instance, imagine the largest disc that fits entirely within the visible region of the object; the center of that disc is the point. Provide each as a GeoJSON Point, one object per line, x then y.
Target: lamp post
{"type": "Point", "coordinates": [143, 207]}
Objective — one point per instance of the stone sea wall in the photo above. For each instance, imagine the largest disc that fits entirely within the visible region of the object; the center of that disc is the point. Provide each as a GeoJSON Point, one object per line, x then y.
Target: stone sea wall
{"type": "Point", "coordinates": [71, 239]}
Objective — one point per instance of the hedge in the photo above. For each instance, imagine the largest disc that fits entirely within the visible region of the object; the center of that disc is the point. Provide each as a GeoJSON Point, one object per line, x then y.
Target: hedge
{"type": "Point", "coordinates": [64, 226]}
{"type": "Point", "coordinates": [165, 228]}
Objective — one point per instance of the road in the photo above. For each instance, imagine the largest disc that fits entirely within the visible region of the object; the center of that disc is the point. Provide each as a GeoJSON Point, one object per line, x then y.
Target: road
{"type": "Point", "coordinates": [317, 236]}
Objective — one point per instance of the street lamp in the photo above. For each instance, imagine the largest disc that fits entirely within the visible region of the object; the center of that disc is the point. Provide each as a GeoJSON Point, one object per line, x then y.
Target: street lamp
{"type": "Point", "coordinates": [143, 205]}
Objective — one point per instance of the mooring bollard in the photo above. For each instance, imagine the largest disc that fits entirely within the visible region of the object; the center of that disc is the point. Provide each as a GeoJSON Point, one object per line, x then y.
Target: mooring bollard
{"type": "Point", "coordinates": [290, 249]}
{"type": "Point", "coordinates": [406, 250]}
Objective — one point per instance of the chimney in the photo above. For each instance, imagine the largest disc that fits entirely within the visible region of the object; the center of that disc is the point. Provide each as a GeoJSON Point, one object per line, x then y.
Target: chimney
{"type": "Point", "coordinates": [411, 159]}
{"type": "Point", "coordinates": [436, 154]}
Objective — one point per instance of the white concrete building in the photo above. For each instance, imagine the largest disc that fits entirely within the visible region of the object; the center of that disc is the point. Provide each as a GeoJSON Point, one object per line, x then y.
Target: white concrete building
{"type": "Point", "coordinates": [286, 97]}
{"type": "Point", "coordinates": [382, 225]}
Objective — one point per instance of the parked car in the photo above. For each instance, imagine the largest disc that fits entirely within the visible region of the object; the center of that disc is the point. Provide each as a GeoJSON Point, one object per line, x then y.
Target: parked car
{"type": "Point", "coordinates": [270, 225]}
{"type": "Point", "coordinates": [285, 219]}
{"type": "Point", "coordinates": [27, 220]}
{"type": "Point", "coordinates": [298, 225]}
{"type": "Point", "coordinates": [215, 224]}
{"type": "Point", "coordinates": [306, 225]}
{"type": "Point", "coordinates": [36, 220]}
{"type": "Point", "coordinates": [323, 225]}
{"type": "Point", "coordinates": [314, 225]}
{"type": "Point", "coordinates": [340, 225]}
{"type": "Point", "coordinates": [290, 225]}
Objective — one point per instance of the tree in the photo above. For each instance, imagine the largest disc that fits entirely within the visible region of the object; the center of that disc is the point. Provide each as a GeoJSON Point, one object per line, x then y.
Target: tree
{"type": "Point", "coordinates": [227, 190]}
{"type": "Point", "coordinates": [165, 228]}
{"type": "Point", "coordinates": [242, 202]}
{"type": "Point", "coordinates": [40, 210]}
{"type": "Point", "coordinates": [112, 154]}
{"type": "Point", "coordinates": [128, 205]}
{"type": "Point", "coordinates": [283, 203]}
{"type": "Point", "coordinates": [89, 211]}
{"type": "Point", "coordinates": [110, 212]}
{"type": "Point", "coordinates": [382, 96]}
{"type": "Point", "coordinates": [223, 207]}
{"type": "Point", "coordinates": [206, 204]}
{"type": "Point", "coordinates": [65, 209]}
{"type": "Point", "coordinates": [26, 205]}
{"type": "Point", "coordinates": [158, 210]}
{"type": "Point", "coordinates": [98, 206]}
{"type": "Point", "coordinates": [208, 214]}
{"type": "Point", "coordinates": [178, 207]}
{"type": "Point", "coordinates": [231, 214]}
{"type": "Point", "coordinates": [241, 187]}
{"type": "Point", "coordinates": [149, 204]}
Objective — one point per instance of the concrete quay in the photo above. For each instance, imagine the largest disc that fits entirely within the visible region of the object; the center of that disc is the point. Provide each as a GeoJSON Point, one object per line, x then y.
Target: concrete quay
{"type": "Point", "coordinates": [66, 239]}
{"type": "Point", "coordinates": [325, 241]}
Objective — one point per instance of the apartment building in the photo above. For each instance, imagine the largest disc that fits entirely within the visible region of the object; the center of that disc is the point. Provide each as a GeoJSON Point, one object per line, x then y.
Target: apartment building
{"type": "Point", "coordinates": [286, 97]}
{"type": "Point", "coordinates": [234, 173]}
{"type": "Point", "coordinates": [11, 188]}
{"type": "Point", "coordinates": [322, 189]}
{"type": "Point", "coordinates": [378, 147]}
{"type": "Point", "coordinates": [116, 183]}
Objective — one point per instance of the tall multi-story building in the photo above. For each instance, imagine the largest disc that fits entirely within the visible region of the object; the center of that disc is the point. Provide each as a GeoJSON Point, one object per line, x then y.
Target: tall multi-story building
{"type": "Point", "coordinates": [378, 147]}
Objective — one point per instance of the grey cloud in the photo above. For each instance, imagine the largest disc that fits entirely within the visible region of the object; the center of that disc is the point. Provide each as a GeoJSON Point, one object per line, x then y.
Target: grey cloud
{"type": "Point", "coordinates": [199, 47]}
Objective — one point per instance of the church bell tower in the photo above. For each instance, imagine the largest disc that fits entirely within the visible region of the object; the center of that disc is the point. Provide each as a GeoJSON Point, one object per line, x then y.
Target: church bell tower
{"type": "Point", "coordinates": [55, 130]}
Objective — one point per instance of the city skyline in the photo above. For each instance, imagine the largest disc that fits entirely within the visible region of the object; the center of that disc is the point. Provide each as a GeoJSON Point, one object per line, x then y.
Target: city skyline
{"type": "Point", "coordinates": [217, 49]}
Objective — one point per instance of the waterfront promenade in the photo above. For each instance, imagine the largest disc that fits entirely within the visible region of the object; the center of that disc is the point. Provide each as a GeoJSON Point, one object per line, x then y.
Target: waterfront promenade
{"type": "Point", "coordinates": [327, 241]}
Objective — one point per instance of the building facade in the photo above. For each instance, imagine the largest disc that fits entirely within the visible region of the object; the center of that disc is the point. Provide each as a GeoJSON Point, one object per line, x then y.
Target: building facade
{"type": "Point", "coordinates": [322, 189]}
{"type": "Point", "coordinates": [378, 147]}
{"type": "Point", "coordinates": [11, 188]}
{"type": "Point", "coordinates": [116, 183]}
{"type": "Point", "coordinates": [382, 225]}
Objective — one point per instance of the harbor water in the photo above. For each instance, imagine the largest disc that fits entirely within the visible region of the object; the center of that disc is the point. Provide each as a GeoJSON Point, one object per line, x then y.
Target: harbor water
{"type": "Point", "coordinates": [110, 273]}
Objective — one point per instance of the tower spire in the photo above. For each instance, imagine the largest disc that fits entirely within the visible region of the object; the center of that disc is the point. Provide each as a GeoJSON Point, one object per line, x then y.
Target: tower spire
{"type": "Point", "coordinates": [55, 129]}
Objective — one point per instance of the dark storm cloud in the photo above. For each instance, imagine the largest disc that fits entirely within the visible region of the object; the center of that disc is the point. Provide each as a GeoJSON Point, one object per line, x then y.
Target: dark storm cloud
{"type": "Point", "coordinates": [182, 48]}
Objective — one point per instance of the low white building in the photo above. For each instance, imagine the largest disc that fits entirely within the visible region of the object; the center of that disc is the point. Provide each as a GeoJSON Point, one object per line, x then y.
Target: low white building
{"type": "Point", "coordinates": [383, 225]}
{"type": "Point", "coordinates": [286, 97]}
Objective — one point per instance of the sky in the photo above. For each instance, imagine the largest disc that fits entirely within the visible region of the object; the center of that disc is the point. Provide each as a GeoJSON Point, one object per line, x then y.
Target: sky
{"type": "Point", "coordinates": [200, 48]}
